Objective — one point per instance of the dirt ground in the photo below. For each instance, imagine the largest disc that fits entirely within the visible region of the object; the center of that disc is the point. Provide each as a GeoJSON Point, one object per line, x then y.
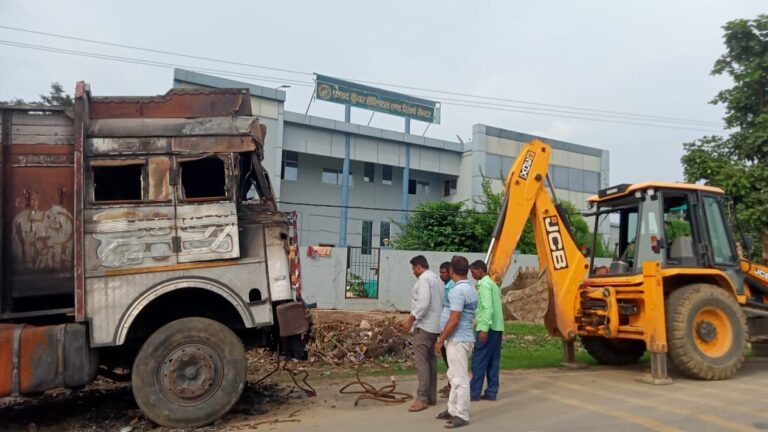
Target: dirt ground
{"type": "Point", "coordinates": [341, 346]}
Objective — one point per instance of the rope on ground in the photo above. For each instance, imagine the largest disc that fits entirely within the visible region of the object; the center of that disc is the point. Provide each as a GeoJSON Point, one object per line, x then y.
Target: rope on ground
{"type": "Point", "coordinates": [386, 394]}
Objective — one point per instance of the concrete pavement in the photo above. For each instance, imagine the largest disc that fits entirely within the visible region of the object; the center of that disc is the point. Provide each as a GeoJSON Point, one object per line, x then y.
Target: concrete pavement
{"type": "Point", "coordinates": [594, 399]}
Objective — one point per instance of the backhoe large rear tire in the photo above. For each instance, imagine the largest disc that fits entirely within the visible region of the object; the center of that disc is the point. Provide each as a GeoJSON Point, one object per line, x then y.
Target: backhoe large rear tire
{"type": "Point", "coordinates": [614, 352]}
{"type": "Point", "coordinates": [706, 332]}
{"type": "Point", "coordinates": [189, 373]}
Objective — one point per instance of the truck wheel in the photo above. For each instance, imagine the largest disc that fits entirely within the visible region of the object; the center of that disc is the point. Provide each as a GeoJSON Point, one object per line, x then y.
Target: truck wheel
{"type": "Point", "coordinates": [706, 332]}
{"type": "Point", "coordinates": [189, 373]}
{"type": "Point", "coordinates": [615, 352]}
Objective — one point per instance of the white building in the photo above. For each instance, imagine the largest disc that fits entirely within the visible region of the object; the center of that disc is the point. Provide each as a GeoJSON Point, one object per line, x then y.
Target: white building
{"type": "Point", "coordinates": [308, 151]}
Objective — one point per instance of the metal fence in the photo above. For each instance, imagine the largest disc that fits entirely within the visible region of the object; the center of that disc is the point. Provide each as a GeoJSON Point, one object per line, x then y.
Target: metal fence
{"type": "Point", "coordinates": [362, 273]}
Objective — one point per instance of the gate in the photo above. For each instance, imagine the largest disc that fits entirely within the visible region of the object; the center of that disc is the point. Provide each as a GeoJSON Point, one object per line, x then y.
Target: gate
{"type": "Point", "coordinates": [362, 273]}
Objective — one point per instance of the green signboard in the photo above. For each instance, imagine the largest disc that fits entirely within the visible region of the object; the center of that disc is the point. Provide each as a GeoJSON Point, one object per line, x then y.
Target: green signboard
{"type": "Point", "coordinates": [362, 96]}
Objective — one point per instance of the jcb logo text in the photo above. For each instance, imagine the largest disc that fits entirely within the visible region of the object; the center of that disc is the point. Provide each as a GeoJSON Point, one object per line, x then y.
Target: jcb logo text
{"type": "Point", "coordinates": [556, 246]}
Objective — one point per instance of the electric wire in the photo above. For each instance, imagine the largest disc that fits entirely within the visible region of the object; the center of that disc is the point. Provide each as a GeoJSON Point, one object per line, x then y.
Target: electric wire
{"type": "Point", "coordinates": [473, 104]}
{"type": "Point", "coordinates": [274, 79]}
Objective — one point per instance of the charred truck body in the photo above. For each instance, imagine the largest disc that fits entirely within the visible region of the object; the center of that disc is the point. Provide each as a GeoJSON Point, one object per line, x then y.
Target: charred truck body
{"type": "Point", "coordinates": [141, 234]}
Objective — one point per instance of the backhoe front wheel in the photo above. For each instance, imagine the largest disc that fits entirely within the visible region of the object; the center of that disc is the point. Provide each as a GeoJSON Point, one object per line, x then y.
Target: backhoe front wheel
{"type": "Point", "coordinates": [189, 373]}
{"type": "Point", "coordinates": [614, 352]}
{"type": "Point", "coordinates": [706, 332]}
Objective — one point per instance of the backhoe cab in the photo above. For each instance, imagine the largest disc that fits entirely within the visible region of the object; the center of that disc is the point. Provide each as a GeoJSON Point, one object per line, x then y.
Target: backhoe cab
{"type": "Point", "coordinates": [675, 285]}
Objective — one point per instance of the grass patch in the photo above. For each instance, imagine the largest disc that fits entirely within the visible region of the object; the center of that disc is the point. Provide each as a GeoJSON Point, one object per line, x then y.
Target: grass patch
{"type": "Point", "coordinates": [524, 346]}
{"type": "Point", "coordinates": [529, 346]}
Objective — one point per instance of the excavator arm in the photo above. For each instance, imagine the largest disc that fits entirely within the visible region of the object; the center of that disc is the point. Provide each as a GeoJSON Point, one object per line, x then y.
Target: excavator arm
{"type": "Point", "coordinates": [527, 197]}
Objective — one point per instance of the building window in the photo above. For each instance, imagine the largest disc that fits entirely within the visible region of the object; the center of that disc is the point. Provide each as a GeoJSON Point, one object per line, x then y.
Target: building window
{"type": "Point", "coordinates": [384, 236]}
{"type": "Point", "coordinates": [203, 179]}
{"type": "Point", "coordinates": [449, 187]}
{"type": "Point", "coordinates": [386, 174]}
{"type": "Point", "coordinates": [418, 187]}
{"type": "Point", "coordinates": [369, 170]}
{"type": "Point", "coordinates": [560, 177]}
{"type": "Point", "coordinates": [591, 181]}
{"type": "Point", "coordinates": [336, 177]}
{"type": "Point", "coordinates": [576, 179]}
{"type": "Point", "coordinates": [367, 238]}
{"type": "Point", "coordinates": [290, 166]}
{"type": "Point", "coordinates": [118, 182]}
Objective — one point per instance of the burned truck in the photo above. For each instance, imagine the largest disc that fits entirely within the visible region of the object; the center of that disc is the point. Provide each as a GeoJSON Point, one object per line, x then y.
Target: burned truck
{"type": "Point", "coordinates": [141, 239]}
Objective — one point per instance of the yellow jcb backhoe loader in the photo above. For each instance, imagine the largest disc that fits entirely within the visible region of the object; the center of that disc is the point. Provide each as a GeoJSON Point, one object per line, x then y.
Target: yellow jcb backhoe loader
{"type": "Point", "coordinates": [676, 285]}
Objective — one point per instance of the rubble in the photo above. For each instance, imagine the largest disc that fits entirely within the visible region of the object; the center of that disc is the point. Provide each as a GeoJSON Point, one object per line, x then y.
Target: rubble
{"type": "Point", "coordinates": [348, 339]}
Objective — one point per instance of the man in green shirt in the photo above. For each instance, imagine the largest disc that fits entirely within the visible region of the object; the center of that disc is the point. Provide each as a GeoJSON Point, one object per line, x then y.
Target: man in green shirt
{"type": "Point", "coordinates": [486, 356]}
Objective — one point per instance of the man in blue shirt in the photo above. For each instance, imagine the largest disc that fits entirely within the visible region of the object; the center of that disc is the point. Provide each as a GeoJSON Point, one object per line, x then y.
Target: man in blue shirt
{"type": "Point", "coordinates": [445, 276]}
{"type": "Point", "coordinates": [458, 336]}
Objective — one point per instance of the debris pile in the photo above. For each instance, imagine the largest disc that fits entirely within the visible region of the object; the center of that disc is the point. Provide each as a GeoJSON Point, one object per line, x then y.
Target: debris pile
{"type": "Point", "coordinates": [108, 406]}
{"type": "Point", "coordinates": [349, 339]}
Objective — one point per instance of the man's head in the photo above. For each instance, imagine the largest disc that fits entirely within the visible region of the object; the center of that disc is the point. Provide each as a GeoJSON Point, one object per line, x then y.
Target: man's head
{"type": "Point", "coordinates": [459, 267]}
{"type": "Point", "coordinates": [445, 271]}
{"type": "Point", "coordinates": [478, 269]}
{"type": "Point", "coordinates": [419, 264]}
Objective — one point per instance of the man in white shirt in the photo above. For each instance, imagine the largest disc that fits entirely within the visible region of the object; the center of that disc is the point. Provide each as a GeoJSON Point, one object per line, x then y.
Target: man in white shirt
{"type": "Point", "coordinates": [426, 306]}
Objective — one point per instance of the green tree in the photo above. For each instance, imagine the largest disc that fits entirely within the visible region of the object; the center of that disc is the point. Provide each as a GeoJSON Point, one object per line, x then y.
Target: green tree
{"type": "Point", "coordinates": [443, 226]}
{"type": "Point", "coordinates": [582, 236]}
{"type": "Point", "coordinates": [492, 201]}
{"type": "Point", "coordinates": [738, 162]}
{"type": "Point", "coordinates": [56, 96]}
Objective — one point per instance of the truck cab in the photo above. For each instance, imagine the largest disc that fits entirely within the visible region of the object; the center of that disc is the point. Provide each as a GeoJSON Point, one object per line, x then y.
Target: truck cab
{"type": "Point", "coordinates": [141, 234]}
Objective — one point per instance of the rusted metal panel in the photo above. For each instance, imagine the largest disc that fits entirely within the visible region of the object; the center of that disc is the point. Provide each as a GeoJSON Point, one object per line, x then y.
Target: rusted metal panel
{"type": "Point", "coordinates": [49, 118]}
{"type": "Point", "coordinates": [129, 237]}
{"type": "Point", "coordinates": [212, 144]}
{"type": "Point", "coordinates": [82, 93]}
{"type": "Point", "coordinates": [42, 128]}
{"type": "Point", "coordinates": [207, 232]}
{"type": "Point", "coordinates": [6, 117]}
{"type": "Point", "coordinates": [128, 145]}
{"type": "Point", "coordinates": [292, 319]}
{"type": "Point", "coordinates": [177, 103]}
{"type": "Point", "coordinates": [36, 359]}
{"type": "Point", "coordinates": [6, 360]}
{"type": "Point", "coordinates": [39, 213]}
{"type": "Point", "coordinates": [43, 139]}
{"type": "Point", "coordinates": [167, 145]}
{"type": "Point", "coordinates": [149, 127]}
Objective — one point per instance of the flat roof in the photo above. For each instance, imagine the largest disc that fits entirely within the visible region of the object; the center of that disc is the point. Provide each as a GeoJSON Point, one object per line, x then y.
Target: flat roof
{"type": "Point", "coordinates": [526, 138]}
{"type": "Point", "coordinates": [357, 129]}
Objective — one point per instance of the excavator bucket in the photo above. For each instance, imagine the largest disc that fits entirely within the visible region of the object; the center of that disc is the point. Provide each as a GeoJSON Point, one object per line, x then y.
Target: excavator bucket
{"type": "Point", "coordinates": [527, 297]}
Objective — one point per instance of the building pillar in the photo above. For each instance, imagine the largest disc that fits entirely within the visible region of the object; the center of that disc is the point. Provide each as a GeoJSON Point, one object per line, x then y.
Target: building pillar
{"type": "Point", "coordinates": [406, 171]}
{"type": "Point", "coordinates": [345, 182]}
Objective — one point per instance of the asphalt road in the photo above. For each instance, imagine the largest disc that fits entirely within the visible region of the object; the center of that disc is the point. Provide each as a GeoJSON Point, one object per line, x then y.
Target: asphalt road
{"type": "Point", "coordinates": [594, 399]}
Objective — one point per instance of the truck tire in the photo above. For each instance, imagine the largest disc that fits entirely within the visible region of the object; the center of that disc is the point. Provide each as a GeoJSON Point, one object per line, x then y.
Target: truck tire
{"type": "Point", "coordinates": [189, 373]}
{"type": "Point", "coordinates": [614, 352]}
{"type": "Point", "coordinates": [706, 332]}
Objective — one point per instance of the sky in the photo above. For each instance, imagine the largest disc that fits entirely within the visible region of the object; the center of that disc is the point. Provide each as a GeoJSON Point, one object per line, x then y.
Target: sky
{"type": "Point", "coordinates": [565, 70]}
